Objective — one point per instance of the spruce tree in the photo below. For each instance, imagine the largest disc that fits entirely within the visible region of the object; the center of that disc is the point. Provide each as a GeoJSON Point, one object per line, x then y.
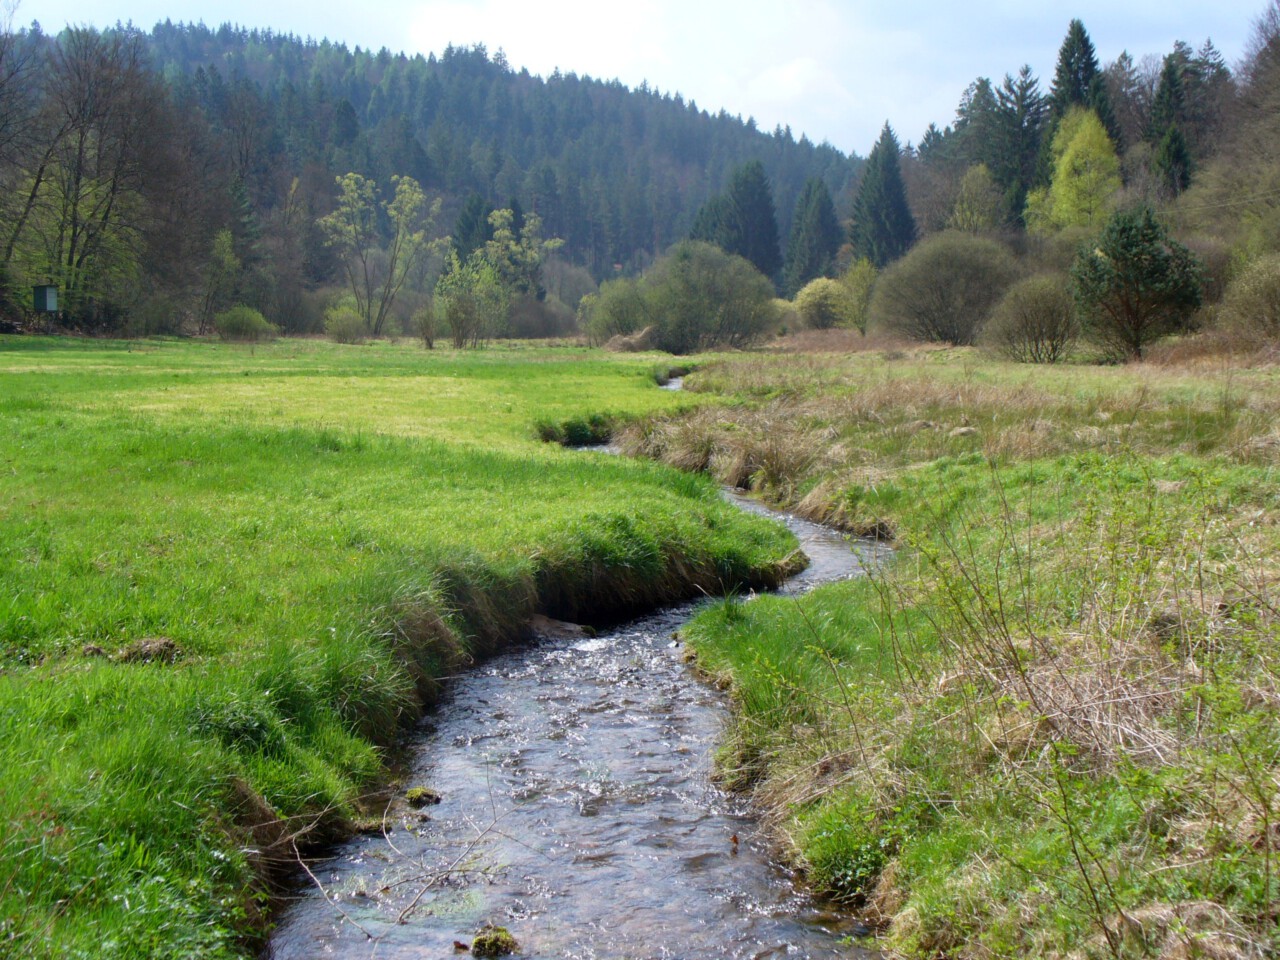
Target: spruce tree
{"type": "Point", "coordinates": [815, 237]}
{"type": "Point", "coordinates": [1073, 77]}
{"type": "Point", "coordinates": [471, 230]}
{"type": "Point", "coordinates": [742, 220]}
{"type": "Point", "coordinates": [752, 224]}
{"type": "Point", "coordinates": [1168, 109]}
{"type": "Point", "coordinates": [1172, 161]}
{"type": "Point", "coordinates": [882, 227]}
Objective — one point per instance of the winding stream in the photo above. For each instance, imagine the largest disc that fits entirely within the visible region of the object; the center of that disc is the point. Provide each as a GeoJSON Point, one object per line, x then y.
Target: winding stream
{"type": "Point", "coordinates": [577, 810]}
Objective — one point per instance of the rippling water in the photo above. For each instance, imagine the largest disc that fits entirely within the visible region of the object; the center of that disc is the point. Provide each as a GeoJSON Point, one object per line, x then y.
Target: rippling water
{"type": "Point", "coordinates": [577, 810]}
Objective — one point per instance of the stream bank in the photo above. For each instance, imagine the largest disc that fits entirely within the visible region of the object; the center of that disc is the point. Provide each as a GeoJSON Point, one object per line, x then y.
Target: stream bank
{"type": "Point", "coordinates": [577, 808]}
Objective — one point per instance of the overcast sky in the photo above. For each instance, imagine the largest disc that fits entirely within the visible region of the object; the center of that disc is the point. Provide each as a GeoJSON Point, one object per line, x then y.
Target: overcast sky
{"type": "Point", "coordinates": [832, 69]}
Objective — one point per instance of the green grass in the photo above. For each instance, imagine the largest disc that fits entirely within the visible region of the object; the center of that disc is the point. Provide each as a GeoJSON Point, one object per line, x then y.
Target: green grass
{"type": "Point", "coordinates": [320, 532]}
{"type": "Point", "coordinates": [1049, 727]}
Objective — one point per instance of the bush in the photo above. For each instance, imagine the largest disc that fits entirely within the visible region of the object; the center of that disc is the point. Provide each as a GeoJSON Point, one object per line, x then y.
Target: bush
{"type": "Point", "coordinates": [943, 290]}
{"type": "Point", "coordinates": [1035, 322]}
{"type": "Point", "coordinates": [344, 325]}
{"type": "Point", "coordinates": [696, 297]}
{"type": "Point", "coordinates": [1251, 304]}
{"type": "Point", "coordinates": [823, 304]}
{"type": "Point", "coordinates": [701, 297]}
{"type": "Point", "coordinates": [245, 324]}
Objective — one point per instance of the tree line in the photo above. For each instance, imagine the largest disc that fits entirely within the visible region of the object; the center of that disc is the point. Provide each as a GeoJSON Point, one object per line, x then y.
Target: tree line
{"type": "Point", "coordinates": [158, 177]}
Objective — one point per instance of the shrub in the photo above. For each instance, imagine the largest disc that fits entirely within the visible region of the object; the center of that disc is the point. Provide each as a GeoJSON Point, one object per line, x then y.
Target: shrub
{"type": "Point", "coordinates": [244, 324]}
{"type": "Point", "coordinates": [423, 322]}
{"type": "Point", "coordinates": [944, 288]}
{"type": "Point", "coordinates": [344, 325]}
{"type": "Point", "coordinates": [1252, 301]}
{"type": "Point", "coordinates": [701, 297]}
{"type": "Point", "coordinates": [860, 281]}
{"type": "Point", "coordinates": [1035, 322]}
{"type": "Point", "coordinates": [823, 304]}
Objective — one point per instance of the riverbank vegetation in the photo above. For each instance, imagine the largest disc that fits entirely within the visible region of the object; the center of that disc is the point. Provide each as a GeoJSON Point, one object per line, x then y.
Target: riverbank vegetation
{"type": "Point", "coordinates": [230, 575]}
{"type": "Point", "coordinates": [1048, 726]}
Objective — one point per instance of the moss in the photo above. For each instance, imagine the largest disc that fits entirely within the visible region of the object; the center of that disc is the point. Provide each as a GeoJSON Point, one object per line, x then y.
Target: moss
{"type": "Point", "coordinates": [494, 941]}
{"type": "Point", "coordinates": [418, 797]}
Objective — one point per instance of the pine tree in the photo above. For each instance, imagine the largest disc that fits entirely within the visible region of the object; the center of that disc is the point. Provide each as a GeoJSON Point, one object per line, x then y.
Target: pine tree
{"type": "Point", "coordinates": [882, 227]}
{"type": "Point", "coordinates": [1172, 161]}
{"type": "Point", "coordinates": [1168, 109]}
{"type": "Point", "coordinates": [815, 237]}
{"type": "Point", "coordinates": [753, 222]}
{"type": "Point", "coordinates": [742, 220]}
{"type": "Point", "coordinates": [1073, 77]}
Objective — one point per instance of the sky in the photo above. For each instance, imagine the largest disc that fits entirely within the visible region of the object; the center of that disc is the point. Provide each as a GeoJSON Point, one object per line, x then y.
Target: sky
{"type": "Point", "coordinates": [833, 70]}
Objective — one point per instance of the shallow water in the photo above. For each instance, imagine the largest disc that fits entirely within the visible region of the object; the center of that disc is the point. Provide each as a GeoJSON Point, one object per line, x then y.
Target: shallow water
{"type": "Point", "coordinates": [577, 810]}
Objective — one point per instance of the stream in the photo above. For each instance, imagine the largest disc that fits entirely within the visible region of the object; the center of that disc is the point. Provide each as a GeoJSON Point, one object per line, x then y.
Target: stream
{"type": "Point", "coordinates": [577, 809]}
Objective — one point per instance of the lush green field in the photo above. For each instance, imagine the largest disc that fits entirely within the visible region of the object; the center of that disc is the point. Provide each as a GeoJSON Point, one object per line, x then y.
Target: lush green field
{"type": "Point", "coordinates": [229, 575]}
{"type": "Point", "coordinates": [1051, 726]}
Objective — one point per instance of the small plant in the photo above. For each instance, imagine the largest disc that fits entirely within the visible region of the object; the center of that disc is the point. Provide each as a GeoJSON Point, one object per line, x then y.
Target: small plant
{"type": "Point", "coordinates": [493, 941]}
{"type": "Point", "coordinates": [244, 324]}
{"type": "Point", "coordinates": [344, 325]}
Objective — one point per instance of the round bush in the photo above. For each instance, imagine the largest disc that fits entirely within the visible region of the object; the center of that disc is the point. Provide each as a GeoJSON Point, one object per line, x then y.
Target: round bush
{"type": "Point", "coordinates": [244, 324]}
{"type": "Point", "coordinates": [344, 325]}
{"type": "Point", "coordinates": [1252, 301]}
{"type": "Point", "coordinates": [1035, 322]}
{"type": "Point", "coordinates": [942, 290]}
{"type": "Point", "coordinates": [823, 304]}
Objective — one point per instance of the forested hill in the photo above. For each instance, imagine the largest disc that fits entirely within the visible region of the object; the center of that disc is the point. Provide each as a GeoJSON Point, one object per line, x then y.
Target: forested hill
{"type": "Point", "coordinates": [617, 173]}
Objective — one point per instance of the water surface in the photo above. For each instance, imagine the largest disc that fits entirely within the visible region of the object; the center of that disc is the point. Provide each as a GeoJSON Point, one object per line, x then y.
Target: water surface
{"type": "Point", "coordinates": [577, 809]}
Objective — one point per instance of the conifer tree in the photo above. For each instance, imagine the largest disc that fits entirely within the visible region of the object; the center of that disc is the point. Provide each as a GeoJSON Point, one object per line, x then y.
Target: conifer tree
{"type": "Point", "coordinates": [815, 237]}
{"type": "Point", "coordinates": [1172, 161]}
{"type": "Point", "coordinates": [742, 220]}
{"type": "Point", "coordinates": [882, 227]}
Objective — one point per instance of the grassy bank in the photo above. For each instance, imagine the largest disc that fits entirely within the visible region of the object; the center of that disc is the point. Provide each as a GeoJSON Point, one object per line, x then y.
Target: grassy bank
{"type": "Point", "coordinates": [229, 575]}
{"type": "Point", "coordinates": [1050, 726]}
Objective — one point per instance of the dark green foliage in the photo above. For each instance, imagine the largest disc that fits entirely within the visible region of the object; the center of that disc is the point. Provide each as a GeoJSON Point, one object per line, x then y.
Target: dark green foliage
{"type": "Point", "coordinates": [742, 221]}
{"type": "Point", "coordinates": [472, 229]}
{"type": "Point", "coordinates": [883, 229]}
{"type": "Point", "coordinates": [1169, 107]}
{"type": "Point", "coordinates": [943, 290]}
{"type": "Point", "coordinates": [1172, 162]}
{"type": "Point", "coordinates": [1075, 72]}
{"type": "Point", "coordinates": [1135, 285]}
{"type": "Point", "coordinates": [815, 237]}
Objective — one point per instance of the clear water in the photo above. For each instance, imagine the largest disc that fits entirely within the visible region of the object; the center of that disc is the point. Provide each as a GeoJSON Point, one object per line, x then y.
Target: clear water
{"type": "Point", "coordinates": [577, 810]}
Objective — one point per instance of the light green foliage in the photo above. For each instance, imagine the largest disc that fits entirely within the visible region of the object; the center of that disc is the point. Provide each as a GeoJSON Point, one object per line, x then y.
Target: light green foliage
{"type": "Point", "coordinates": [321, 532]}
{"type": "Point", "coordinates": [343, 323]}
{"type": "Point", "coordinates": [860, 281]}
{"type": "Point", "coordinates": [220, 276]}
{"type": "Point", "coordinates": [979, 206]}
{"type": "Point", "coordinates": [377, 273]}
{"type": "Point", "coordinates": [944, 288]}
{"type": "Point", "coordinates": [518, 255]}
{"type": "Point", "coordinates": [472, 299]}
{"type": "Point", "coordinates": [620, 308]}
{"type": "Point", "coordinates": [244, 323]}
{"type": "Point", "coordinates": [1252, 300]}
{"type": "Point", "coordinates": [824, 304]}
{"type": "Point", "coordinates": [1086, 176]}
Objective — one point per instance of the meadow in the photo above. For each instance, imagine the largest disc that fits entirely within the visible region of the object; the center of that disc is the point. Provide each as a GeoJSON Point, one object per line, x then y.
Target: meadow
{"type": "Point", "coordinates": [231, 576]}
{"type": "Point", "coordinates": [1050, 726]}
